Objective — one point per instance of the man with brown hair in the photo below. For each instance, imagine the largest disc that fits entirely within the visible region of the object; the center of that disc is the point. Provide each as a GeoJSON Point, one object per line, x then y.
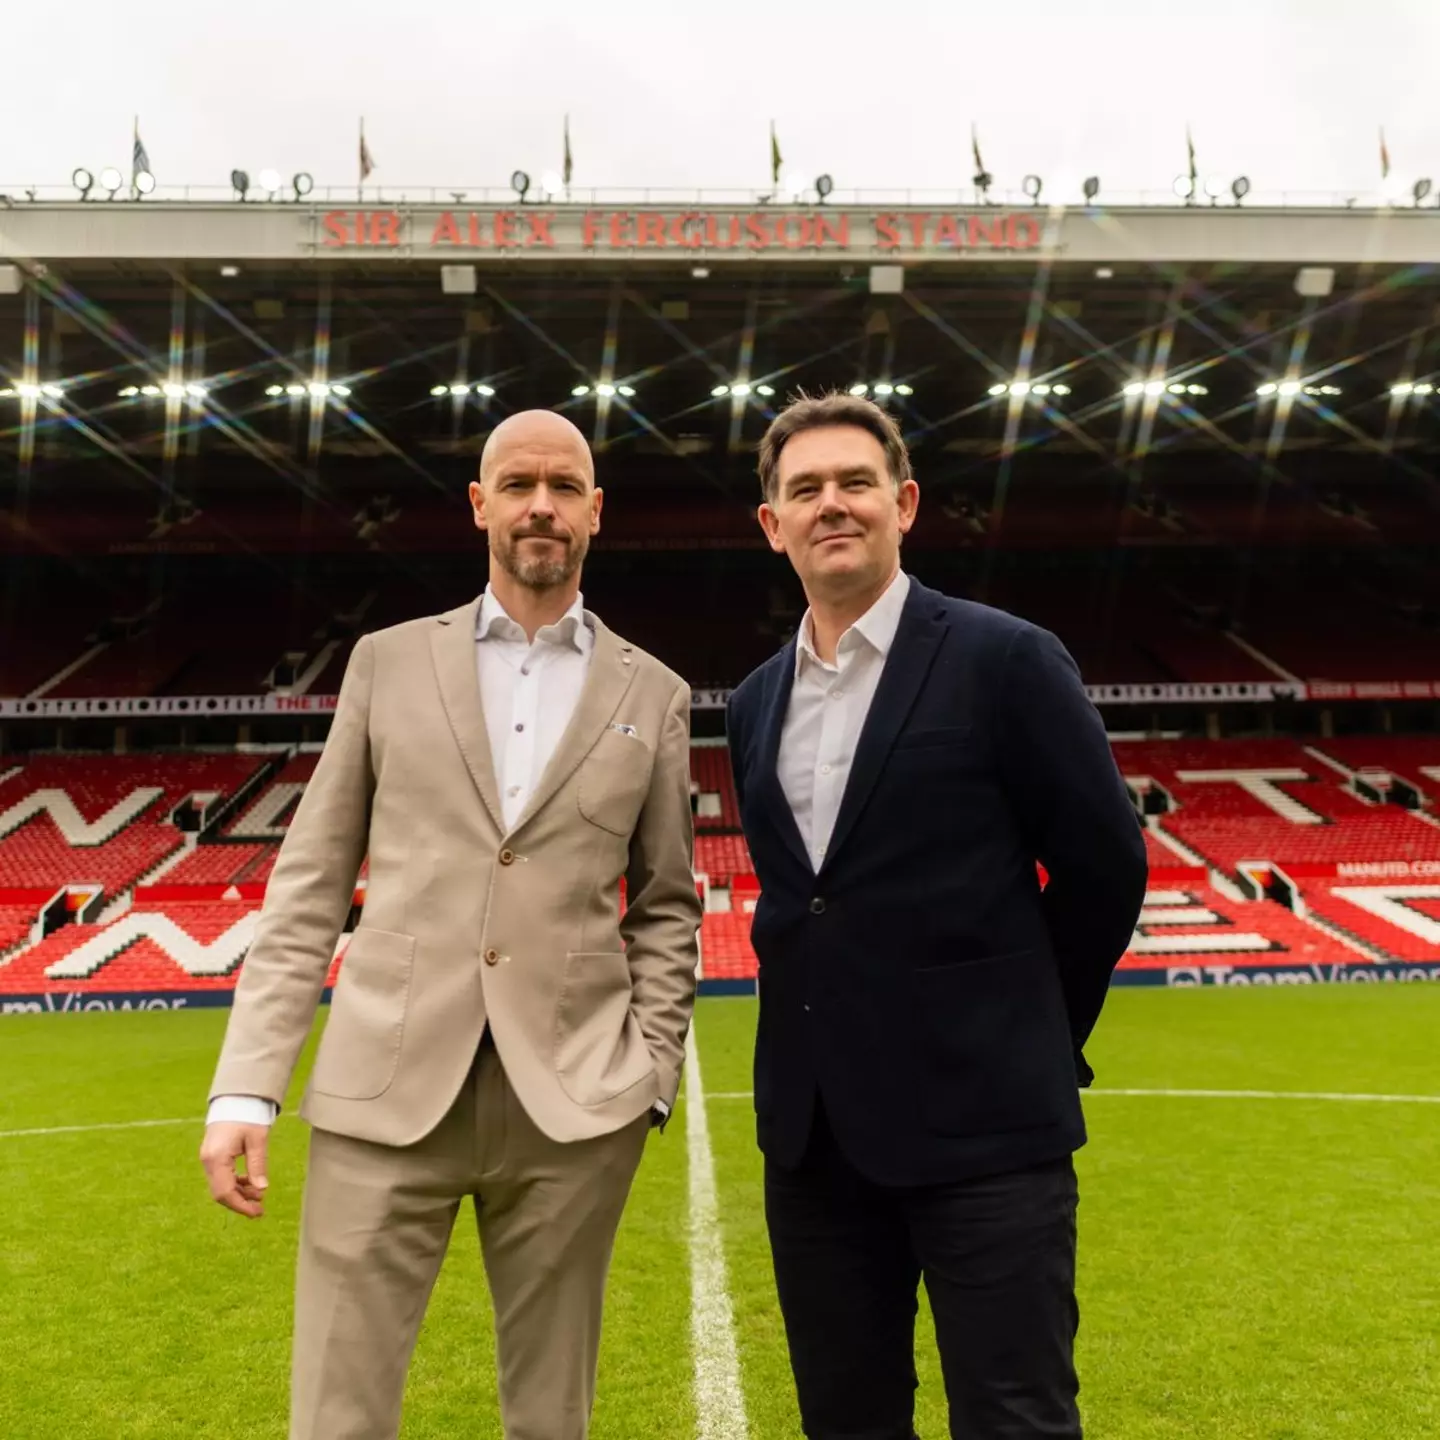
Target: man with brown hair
{"type": "Point", "coordinates": [498, 1029]}
{"type": "Point", "coordinates": [901, 766]}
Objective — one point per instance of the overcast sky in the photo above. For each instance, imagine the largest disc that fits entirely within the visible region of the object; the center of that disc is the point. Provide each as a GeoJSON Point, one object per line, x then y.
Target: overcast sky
{"type": "Point", "coordinates": [681, 92]}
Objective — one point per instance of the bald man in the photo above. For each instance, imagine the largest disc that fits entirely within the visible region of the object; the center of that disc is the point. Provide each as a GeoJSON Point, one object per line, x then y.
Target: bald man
{"type": "Point", "coordinates": [500, 1028]}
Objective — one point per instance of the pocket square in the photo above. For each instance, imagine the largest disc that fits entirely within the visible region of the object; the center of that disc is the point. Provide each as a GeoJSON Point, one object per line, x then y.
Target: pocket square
{"type": "Point", "coordinates": [629, 730]}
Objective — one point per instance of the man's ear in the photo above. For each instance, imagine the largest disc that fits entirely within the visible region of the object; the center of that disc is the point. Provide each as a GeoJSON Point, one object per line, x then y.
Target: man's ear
{"type": "Point", "coordinates": [595, 509]}
{"type": "Point", "coordinates": [770, 524]}
{"type": "Point", "coordinates": [477, 505]}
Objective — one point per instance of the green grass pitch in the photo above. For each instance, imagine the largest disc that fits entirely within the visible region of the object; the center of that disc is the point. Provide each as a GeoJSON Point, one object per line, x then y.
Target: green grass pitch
{"type": "Point", "coordinates": [1251, 1268]}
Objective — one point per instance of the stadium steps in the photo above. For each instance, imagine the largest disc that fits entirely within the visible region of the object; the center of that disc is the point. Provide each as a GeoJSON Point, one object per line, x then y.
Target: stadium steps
{"type": "Point", "coordinates": [1341, 935]}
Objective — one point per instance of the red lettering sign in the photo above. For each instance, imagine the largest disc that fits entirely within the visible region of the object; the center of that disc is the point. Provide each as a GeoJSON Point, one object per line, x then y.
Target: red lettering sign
{"type": "Point", "coordinates": [756, 230]}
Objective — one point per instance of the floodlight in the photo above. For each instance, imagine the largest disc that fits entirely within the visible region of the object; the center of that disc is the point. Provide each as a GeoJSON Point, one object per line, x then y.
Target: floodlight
{"type": "Point", "coordinates": [824, 186]}
{"type": "Point", "coordinates": [83, 181]}
{"type": "Point", "coordinates": [144, 182]}
{"type": "Point", "coordinates": [1090, 189]}
{"type": "Point", "coordinates": [1032, 185]}
{"type": "Point", "coordinates": [520, 184]}
{"type": "Point", "coordinates": [302, 183]}
{"type": "Point", "coordinates": [111, 180]}
{"type": "Point", "coordinates": [240, 183]}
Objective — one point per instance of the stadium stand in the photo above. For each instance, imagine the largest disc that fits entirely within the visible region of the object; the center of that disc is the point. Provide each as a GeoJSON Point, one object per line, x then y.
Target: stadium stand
{"type": "Point", "coordinates": [104, 820]}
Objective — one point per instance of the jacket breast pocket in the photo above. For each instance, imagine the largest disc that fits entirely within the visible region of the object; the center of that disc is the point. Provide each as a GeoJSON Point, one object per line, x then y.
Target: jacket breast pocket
{"type": "Point", "coordinates": [614, 780]}
{"type": "Point", "coordinates": [360, 1049]}
{"type": "Point", "coordinates": [936, 738]}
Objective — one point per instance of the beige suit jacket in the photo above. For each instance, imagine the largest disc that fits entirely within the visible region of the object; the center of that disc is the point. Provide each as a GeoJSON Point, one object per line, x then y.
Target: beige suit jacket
{"type": "Point", "coordinates": [467, 922]}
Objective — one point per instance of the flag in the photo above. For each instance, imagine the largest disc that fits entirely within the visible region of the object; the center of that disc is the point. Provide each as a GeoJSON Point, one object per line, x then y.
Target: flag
{"type": "Point", "coordinates": [367, 160]}
{"type": "Point", "coordinates": [1193, 173]}
{"type": "Point", "coordinates": [568, 167]}
{"type": "Point", "coordinates": [1384, 156]}
{"type": "Point", "coordinates": [139, 160]}
{"type": "Point", "coordinates": [975, 151]}
{"type": "Point", "coordinates": [775, 159]}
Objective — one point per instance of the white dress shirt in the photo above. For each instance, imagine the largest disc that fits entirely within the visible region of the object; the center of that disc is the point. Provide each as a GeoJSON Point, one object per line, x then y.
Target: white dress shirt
{"type": "Point", "coordinates": [528, 691]}
{"type": "Point", "coordinates": [827, 711]}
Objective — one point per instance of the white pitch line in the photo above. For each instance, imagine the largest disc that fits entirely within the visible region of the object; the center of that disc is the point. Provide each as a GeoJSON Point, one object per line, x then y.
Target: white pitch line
{"type": "Point", "coordinates": [197, 1120]}
{"type": "Point", "coordinates": [719, 1399]}
{"type": "Point", "coordinates": [1213, 1095]}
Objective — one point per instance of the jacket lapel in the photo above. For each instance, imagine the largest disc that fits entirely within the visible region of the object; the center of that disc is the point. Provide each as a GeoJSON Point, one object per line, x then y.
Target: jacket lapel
{"type": "Point", "coordinates": [452, 648]}
{"type": "Point", "coordinates": [772, 723]}
{"type": "Point", "coordinates": [922, 626]}
{"type": "Point", "coordinates": [612, 668]}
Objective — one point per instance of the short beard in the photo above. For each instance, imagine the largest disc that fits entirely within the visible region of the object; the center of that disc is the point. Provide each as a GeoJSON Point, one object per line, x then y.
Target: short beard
{"type": "Point", "coordinates": [540, 574]}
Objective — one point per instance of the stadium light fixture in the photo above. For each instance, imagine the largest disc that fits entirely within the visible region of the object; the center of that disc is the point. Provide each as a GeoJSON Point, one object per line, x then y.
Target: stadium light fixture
{"type": "Point", "coordinates": [860, 389]}
{"type": "Point", "coordinates": [28, 390]}
{"type": "Point", "coordinates": [129, 392]}
{"type": "Point", "coordinates": [150, 391]}
{"type": "Point", "coordinates": [884, 387]}
{"type": "Point", "coordinates": [144, 183]}
{"type": "Point", "coordinates": [294, 389]}
{"type": "Point", "coordinates": [270, 183]}
{"type": "Point", "coordinates": [274, 390]}
{"type": "Point", "coordinates": [1184, 188]}
{"type": "Point", "coordinates": [485, 392]}
{"type": "Point", "coordinates": [1104, 272]}
{"type": "Point", "coordinates": [1288, 388]}
{"type": "Point", "coordinates": [1420, 190]}
{"type": "Point", "coordinates": [1322, 390]}
{"type": "Point", "coordinates": [172, 391]}
{"type": "Point", "coordinates": [229, 272]}
{"type": "Point", "coordinates": [302, 183]}
{"type": "Point", "coordinates": [580, 390]}
{"type": "Point", "coordinates": [459, 389]}
{"type": "Point", "coordinates": [1424, 388]}
{"type": "Point", "coordinates": [1214, 188]}
{"type": "Point", "coordinates": [998, 389]}
{"type": "Point", "coordinates": [83, 181]}
{"type": "Point", "coordinates": [625, 392]}
{"type": "Point", "coordinates": [1240, 188]}
{"type": "Point", "coordinates": [740, 389]}
{"type": "Point", "coordinates": [605, 389]}
{"type": "Point", "coordinates": [551, 185]}
{"type": "Point", "coordinates": [436, 390]}
{"type": "Point", "coordinates": [520, 184]}
{"type": "Point", "coordinates": [766, 390]}
{"type": "Point", "coordinates": [1090, 189]}
{"type": "Point", "coordinates": [903, 389]}
{"type": "Point", "coordinates": [1154, 387]}
{"type": "Point", "coordinates": [1032, 185]}
{"type": "Point", "coordinates": [110, 181]}
{"type": "Point", "coordinates": [824, 187]}
{"type": "Point", "coordinates": [240, 184]}
{"type": "Point", "coordinates": [700, 272]}
{"type": "Point", "coordinates": [1042, 389]}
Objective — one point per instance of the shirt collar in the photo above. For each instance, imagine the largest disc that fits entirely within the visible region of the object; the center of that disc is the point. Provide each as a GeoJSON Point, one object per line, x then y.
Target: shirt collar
{"type": "Point", "coordinates": [877, 626]}
{"type": "Point", "coordinates": [576, 627]}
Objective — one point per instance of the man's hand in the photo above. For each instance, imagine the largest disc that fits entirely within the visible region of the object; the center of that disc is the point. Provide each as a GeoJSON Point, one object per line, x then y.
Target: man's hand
{"type": "Point", "coordinates": [223, 1145]}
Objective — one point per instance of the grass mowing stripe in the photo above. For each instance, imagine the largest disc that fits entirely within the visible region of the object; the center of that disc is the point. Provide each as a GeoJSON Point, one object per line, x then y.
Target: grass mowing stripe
{"type": "Point", "coordinates": [719, 1401]}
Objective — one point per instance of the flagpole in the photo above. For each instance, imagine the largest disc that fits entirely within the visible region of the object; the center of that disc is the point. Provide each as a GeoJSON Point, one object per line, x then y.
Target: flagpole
{"type": "Point", "coordinates": [360, 165]}
{"type": "Point", "coordinates": [134, 145]}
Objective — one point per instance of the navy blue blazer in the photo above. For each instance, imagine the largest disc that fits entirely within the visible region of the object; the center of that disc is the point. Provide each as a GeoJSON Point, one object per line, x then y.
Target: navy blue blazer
{"type": "Point", "coordinates": [922, 983]}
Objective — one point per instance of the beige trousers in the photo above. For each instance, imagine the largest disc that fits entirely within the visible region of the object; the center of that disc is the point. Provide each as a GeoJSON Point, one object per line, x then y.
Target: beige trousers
{"type": "Point", "coordinates": [375, 1225]}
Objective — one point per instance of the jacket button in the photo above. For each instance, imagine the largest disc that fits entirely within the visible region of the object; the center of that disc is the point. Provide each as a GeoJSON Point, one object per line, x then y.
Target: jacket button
{"type": "Point", "coordinates": [507, 856]}
{"type": "Point", "coordinates": [817, 906]}
{"type": "Point", "coordinates": [492, 956]}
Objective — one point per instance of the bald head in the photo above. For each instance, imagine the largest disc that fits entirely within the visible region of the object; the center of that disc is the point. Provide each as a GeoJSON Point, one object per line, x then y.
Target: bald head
{"type": "Point", "coordinates": [537, 502]}
{"type": "Point", "coordinates": [538, 433]}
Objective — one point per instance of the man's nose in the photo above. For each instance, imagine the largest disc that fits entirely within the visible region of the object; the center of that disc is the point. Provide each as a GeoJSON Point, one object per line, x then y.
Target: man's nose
{"type": "Point", "coordinates": [542, 502]}
{"type": "Point", "coordinates": [832, 501]}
